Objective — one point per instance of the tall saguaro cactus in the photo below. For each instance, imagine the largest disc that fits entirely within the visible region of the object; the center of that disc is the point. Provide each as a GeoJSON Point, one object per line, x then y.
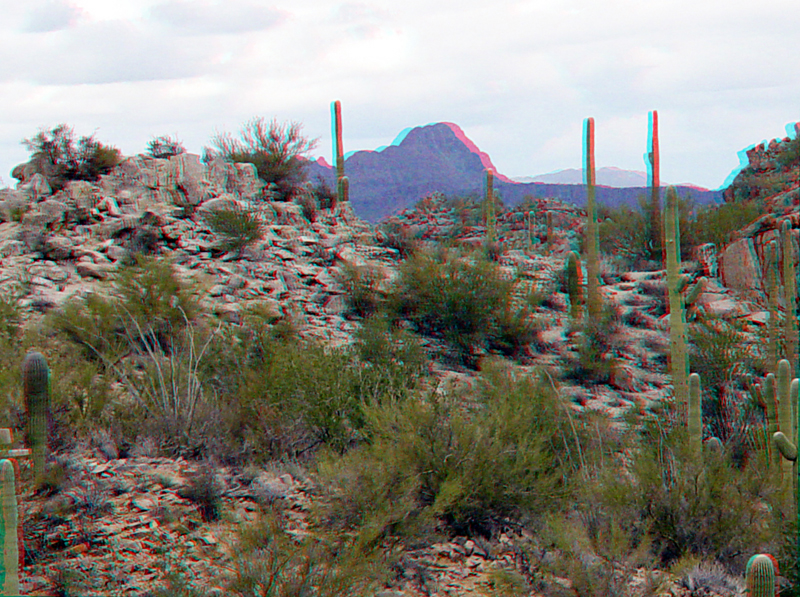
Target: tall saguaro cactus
{"type": "Point", "coordinates": [593, 300]}
{"type": "Point", "coordinates": [9, 520]}
{"type": "Point", "coordinates": [679, 363]}
{"type": "Point", "coordinates": [490, 215]}
{"type": "Point", "coordinates": [338, 147]}
{"type": "Point", "coordinates": [654, 171]}
{"type": "Point", "coordinates": [36, 389]}
{"type": "Point", "coordinates": [789, 293]}
{"type": "Point", "coordinates": [786, 439]}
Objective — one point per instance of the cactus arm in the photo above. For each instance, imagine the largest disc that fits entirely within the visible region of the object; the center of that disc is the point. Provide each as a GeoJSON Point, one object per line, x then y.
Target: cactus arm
{"type": "Point", "coordinates": [679, 367]}
{"type": "Point", "coordinates": [695, 291]}
{"type": "Point", "coordinates": [771, 405]}
{"type": "Point", "coordinates": [593, 300]}
{"type": "Point", "coordinates": [695, 417]}
{"type": "Point", "coordinates": [787, 449]}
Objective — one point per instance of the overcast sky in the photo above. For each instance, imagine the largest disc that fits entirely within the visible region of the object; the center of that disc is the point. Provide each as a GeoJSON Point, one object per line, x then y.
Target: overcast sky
{"type": "Point", "coordinates": [518, 77]}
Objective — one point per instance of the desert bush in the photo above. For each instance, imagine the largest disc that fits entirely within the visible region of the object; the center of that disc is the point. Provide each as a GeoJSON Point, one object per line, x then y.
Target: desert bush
{"type": "Point", "coordinates": [204, 489]}
{"type": "Point", "coordinates": [707, 508]}
{"type": "Point", "coordinates": [326, 196]}
{"type": "Point", "coordinates": [596, 348]}
{"type": "Point", "coordinates": [59, 158]}
{"type": "Point", "coordinates": [464, 300]}
{"type": "Point", "coordinates": [271, 562]}
{"type": "Point", "coordinates": [235, 226]}
{"type": "Point", "coordinates": [362, 284]}
{"type": "Point", "coordinates": [165, 147]}
{"type": "Point", "coordinates": [718, 223]}
{"type": "Point", "coordinates": [433, 462]}
{"type": "Point", "coordinates": [625, 234]}
{"type": "Point", "coordinates": [397, 235]}
{"type": "Point", "coordinates": [277, 150]}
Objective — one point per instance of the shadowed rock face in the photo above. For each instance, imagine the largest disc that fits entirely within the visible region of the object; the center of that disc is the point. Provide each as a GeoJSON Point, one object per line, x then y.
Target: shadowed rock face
{"type": "Point", "coordinates": [440, 158]}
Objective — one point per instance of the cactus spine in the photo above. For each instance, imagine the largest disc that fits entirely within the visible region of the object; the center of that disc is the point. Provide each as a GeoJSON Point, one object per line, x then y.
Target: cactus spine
{"type": "Point", "coordinates": [679, 365]}
{"type": "Point", "coordinates": [695, 417]}
{"type": "Point", "coordinates": [574, 286]}
{"type": "Point", "coordinates": [789, 293]}
{"type": "Point", "coordinates": [593, 300]}
{"type": "Point", "coordinates": [760, 574]}
{"type": "Point", "coordinates": [36, 389]}
{"type": "Point", "coordinates": [490, 215]}
{"type": "Point", "coordinates": [654, 170]}
{"type": "Point", "coordinates": [9, 574]}
{"type": "Point", "coordinates": [338, 149]}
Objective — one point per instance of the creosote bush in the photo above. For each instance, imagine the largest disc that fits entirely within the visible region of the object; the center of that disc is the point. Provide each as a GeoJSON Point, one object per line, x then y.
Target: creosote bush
{"type": "Point", "coordinates": [165, 147]}
{"type": "Point", "coordinates": [434, 463]}
{"type": "Point", "coordinates": [277, 150]}
{"type": "Point", "coordinates": [464, 300]}
{"type": "Point", "coordinates": [58, 157]}
{"type": "Point", "coordinates": [236, 226]}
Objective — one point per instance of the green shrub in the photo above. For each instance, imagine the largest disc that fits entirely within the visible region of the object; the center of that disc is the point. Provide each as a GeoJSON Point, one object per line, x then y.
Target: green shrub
{"type": "Point", "coordinates": [625, 234]}
{"type": "Point", "coordinates": [597, 345]}
{"type": "Point", "coordinates": [59, 159]}
{"type": "Point", "coordinates": [718, 223]}
{"type": "Point", "coordinates": [434, 462]}
{"type": "Point", "coordinates": [236, 227]}
{"type": "Point", "coordinates": [164, 147]}
{"type": "Point", "coordinates": [466, 301]}
{"type": "Point", "coordinates": [362, 284]}
{"type": "Point", "coordinates": [277, 150]}
{"type": "Point", "coordinates": [272, 563]}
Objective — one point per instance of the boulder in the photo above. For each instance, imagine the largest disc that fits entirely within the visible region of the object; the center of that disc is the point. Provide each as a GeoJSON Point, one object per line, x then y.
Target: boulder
{"type": "Point", "coordinates": [740, 269]}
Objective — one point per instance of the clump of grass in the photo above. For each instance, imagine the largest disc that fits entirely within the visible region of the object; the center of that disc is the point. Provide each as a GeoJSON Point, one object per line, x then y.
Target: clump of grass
{"type": "Point", "coordinates": [235, 226]}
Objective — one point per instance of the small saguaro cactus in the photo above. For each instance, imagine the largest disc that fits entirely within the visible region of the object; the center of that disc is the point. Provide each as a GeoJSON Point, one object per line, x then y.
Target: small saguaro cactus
{"type": "Point", "coordinates": [695, 417]}
{"type": "Point", "coordinates": [760, 573]}
{"type": "Point", "coordinates": [593, 299]}
{"type": "Point", "coordinates": [491, 232]}
{"type": "Point", "coordinates": [36, 389]}
{"type": "Point", "coordinates": [679, 365]}
{"type": "Point", "coordinates": [343, 189]}
{"type": "Point", "coordinates": [574, 285]}
{"type": "Point", "coordinates": [9, 520]}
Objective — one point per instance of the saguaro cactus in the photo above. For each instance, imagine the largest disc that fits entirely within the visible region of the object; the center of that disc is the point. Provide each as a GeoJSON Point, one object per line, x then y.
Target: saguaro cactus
{"type": "Point", "coordinates": [593, 300]}
{"type": "Point", "coordinates": [760, 573]}
{"type": "Point", "coordinates": [36, 389]}
{"type": "Point", "coordinates": [343, 189]}
{"type": "Point", "coordinates": [9, 519]}
{"type": "Point", "coordinates": [490, 215]}
{"type": "Point", "coordinates": [695, 417]}
{"type": "Point", "coordinates": [679, 364]}
{"type": "Point", "coordinates": [574, 285]}
{"type": "Point", "coordinates": [654, 170]}
{"type": "Point", "coordinates": [338, 147]}
{"type": "Point", "coordinates": [789, 292]}
{"type": "Point", "coordinates": [786, 439]}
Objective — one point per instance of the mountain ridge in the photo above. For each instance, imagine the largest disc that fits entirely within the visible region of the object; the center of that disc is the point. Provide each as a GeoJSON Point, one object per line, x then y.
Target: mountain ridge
{"type": "Point", "coordinates": [440, 158]}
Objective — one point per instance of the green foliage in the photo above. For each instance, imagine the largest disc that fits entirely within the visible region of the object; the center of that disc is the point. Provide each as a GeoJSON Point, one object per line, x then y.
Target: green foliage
{"type": "Point", "coordinates": [60, 159]}
{"type": "Point", "coordinates": [236, 227]}
{"type": "Point", "coordinates": [362, 284]}
{"type": "Point", "coordinates": [717, 223]}
{"type": "Point", "coordinates": [165, 147]}
{"type": "Point", "coordinates": [271, 563]}
{"type": "Point", "coordinates": [204, 489]}
{"type": "Point", "coordinates": [464, 300]}
{"type": "Point", "coordinates": [277, 150]}
{"type": "Point", "coordinates": [434, 462]}
{"type": "Point", "coordinates": [597, 343]}
{"type": "Point", "coordinates": [625, 233]}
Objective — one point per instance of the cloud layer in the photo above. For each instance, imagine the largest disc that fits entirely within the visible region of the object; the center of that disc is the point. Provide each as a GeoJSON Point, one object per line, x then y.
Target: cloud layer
{"type": "Point", "coordinates": [518, 76]}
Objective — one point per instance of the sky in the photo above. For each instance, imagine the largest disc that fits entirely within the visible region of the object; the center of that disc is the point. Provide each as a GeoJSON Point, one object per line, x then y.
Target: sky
{"type": "Point", "coordinates": [518, 76]}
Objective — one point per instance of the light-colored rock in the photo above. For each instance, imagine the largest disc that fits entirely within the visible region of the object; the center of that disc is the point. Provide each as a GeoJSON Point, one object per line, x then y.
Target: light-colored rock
{"type": "Point", "coordinates": [740, 269]}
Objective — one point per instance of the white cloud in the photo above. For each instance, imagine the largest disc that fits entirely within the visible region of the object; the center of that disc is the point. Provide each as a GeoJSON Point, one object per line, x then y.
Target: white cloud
{"type": "Point", "coordinates": [207, 17]}
{"type": "Point", "coordinates": [50, 15]}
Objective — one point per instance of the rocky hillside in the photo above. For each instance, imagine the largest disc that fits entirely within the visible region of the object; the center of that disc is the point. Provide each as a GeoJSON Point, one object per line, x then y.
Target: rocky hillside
{"type": "Point", "coordinates": [127, 521]}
